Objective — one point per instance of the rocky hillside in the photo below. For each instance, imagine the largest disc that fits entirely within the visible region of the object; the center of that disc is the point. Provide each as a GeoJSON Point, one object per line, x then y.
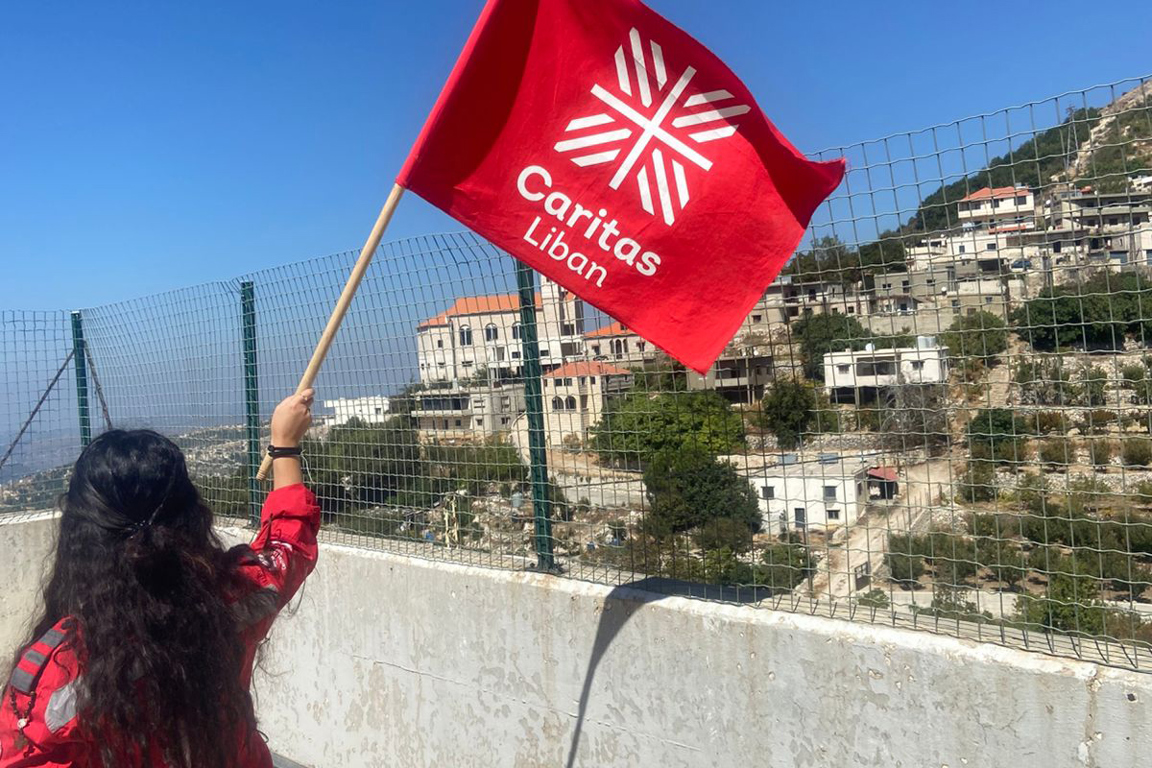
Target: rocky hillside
{"type": "Point", "coordinates": [1098, 147]}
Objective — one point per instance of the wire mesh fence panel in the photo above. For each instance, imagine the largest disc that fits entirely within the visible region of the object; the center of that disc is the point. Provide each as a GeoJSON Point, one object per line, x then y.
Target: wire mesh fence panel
{"type": "Point", "coordinates": [937, 417]}
{"type": "Point", "coordinates": [39, 431]}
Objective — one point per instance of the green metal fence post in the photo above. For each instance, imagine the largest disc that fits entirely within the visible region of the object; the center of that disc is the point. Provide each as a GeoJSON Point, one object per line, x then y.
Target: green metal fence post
{"type": "Point", "coordinates": [251, 396]}
{"type": "Point", "coordinates": [80, 360]}
{"type": "Point", "coordinates": [534, 397]}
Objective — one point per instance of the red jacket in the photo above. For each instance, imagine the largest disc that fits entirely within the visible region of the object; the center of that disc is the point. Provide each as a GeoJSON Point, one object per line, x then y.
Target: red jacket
{"type": "Point", "coordinates": [38, 713]}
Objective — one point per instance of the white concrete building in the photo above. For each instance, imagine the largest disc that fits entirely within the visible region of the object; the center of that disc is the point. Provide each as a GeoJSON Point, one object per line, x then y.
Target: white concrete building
{"type": "Point", "coordinates": [823, 493]}
{"type": "Point", "coordinates": [370, 410]}
{"type": "Point", "coordinates": [468, 413]}
{"type": "Point", "coordinates": [852, 375]}
{"type": "Point", "coordinates": [575, 395]}
{"type": "Point", "coordinates": [618, 344]}
{"type": "Point", "coordinates": [481, 335]}
{"type": "Point", "coordinates": [999, 208]}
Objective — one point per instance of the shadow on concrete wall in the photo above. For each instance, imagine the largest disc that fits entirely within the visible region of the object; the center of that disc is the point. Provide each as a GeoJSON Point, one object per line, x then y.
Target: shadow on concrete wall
{"type": "Point", "coordinates": [621, 604]}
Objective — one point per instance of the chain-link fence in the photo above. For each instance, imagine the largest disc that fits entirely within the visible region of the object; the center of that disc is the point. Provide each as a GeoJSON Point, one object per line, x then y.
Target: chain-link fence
{"type": "Point", "coordinates": [939, 416]}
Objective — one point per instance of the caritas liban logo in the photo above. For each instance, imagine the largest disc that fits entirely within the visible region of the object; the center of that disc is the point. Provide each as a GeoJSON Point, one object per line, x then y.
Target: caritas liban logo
{"type": "Point", "coordinates": [649, 133]}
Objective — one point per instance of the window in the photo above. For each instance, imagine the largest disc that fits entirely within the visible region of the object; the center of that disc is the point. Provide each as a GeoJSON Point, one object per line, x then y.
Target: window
{"type": "Point", "coordinates": [516, 330]}
{"type": "Point", "coordinates": [843, 367]}
{"type": "Point", "coordinates": [479, 421]}
{"type": "Point", "coordinates": [545, 353]}
{"type": "Point", "coordinates": [990, 247]}
{"type": "Point", "coordinates": [829, 493]}
{"type": "Point", "coordinates": [595, 349]}
{"type": "Point", "coordinates": [917, 365]}
{"type": "Point", "coordinates": [557, 404]}
{"type": "Point", "coordinates": [1022, 200]}
{"type": "Point", "coordinates": [583, 402]}
{"type": "Point", "coordinates": [987, 299]}
{"type": "Point", "coordinates": [491, 332]}
{"type": "Point", "coordinates": [503, 419]}
{"type": "Point", "coordinates": [378, 411]}
{"type": "Point", "coordinates": [641, 345]}
{"type": "Point", "coordinates": [568, 382]}
{"type": "Point", "coordinates": [582, 380]}
{"type": "Point", "coordinates": [458, 423]}
{"type": "Point", "coordinates": [592, 379]}
{"type": "Point", "coordinates": [465, 336]}
{"type": "Point", "coordinates": [996, 203]}
{"type": "Point", "coordinates": [439, 343]}
{"type": "Point", "coordinates": [793, 311]}
{"type": "Point", "coordinates": [570, 403]}
{"type": "Point", "coordinates": [505, 403]}
{"type": "Point", "coordinates": [963, 248]}
{"type": "Point", "coordinates": [833, 514]}
{"type": "Point", "coordinates": [768, 492]}
{"type": "Point", "coordinates": [467, 363]}
{"type": "Point", "coordinates": [757, 318]}
{"type": "Point", "coordinates": [905, 284]}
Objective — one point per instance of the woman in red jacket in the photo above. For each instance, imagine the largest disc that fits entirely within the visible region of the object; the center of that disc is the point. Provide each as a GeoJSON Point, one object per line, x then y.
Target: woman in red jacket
{"type": "Point", "coordinates": [143, 654]}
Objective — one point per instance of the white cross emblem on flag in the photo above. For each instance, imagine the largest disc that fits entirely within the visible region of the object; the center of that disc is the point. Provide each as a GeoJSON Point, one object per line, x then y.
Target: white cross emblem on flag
{"type": "Point", "coordinates": [646, 138]}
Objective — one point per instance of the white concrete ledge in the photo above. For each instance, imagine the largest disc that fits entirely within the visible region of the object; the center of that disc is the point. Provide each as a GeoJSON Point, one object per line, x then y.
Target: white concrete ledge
{"type": "Point", "coordinates": [387, 660]}
{"type": "Point", "coordinates": [396, 661]}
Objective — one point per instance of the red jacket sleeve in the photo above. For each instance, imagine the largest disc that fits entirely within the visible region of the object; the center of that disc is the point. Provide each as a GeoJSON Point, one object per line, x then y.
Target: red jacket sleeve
{"type": "Point", "coordinates": [38, 713]}
{"type": "Point", "coordinates": [279, 558]}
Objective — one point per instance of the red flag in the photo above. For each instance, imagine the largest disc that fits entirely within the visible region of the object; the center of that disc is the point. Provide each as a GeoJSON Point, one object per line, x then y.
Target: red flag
{"type": "Point", "coordinates": [605, 147]}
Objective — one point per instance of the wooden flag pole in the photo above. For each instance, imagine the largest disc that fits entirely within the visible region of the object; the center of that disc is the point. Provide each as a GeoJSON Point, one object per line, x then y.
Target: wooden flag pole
{"type": "Point", "coordinates": [343, 302]}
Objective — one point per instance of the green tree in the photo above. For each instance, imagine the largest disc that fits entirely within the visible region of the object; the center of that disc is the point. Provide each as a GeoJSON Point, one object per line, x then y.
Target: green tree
{"type": "Point", "coordinates": [637, 427]}
{"type": "Point", "coordinates": [1137, 452]}
{"type": "Point", "coordinates": [788, 411]}
{"type": "Point", "coordinates": [1044, 380]}
{"type": "Point", "coordinates": [1096, 313]}
{"type": "Point", "coordinates": [359, 465]}
{"type": "Point", "coordinates": [1057, 452]}
{"type": "Point", "coordinates": [996, 434]}
{"type": "Point", "coordinates": [820, 334]}
{"type": "Point", "coordinates": [905, 558]}
{"type": "Point", "coordinates": [688, 487]}
{"type": "Point", "coordinates": [784, 565]}
{"type": "Point", "coordinates": [982, 336]}
{"type": "Point", "coordinates": [1093, 386]}
{"type": "Point", "coordinates": [1070, 604]}
{"type": "Point", "coordinates": [1100, 453]}
{"type": "Point", "coordinates": [978, 482]}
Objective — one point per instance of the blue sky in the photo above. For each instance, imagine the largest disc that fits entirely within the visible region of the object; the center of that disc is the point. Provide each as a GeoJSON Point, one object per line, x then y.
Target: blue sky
{"type": "Point", "coordinates": [150, 145]}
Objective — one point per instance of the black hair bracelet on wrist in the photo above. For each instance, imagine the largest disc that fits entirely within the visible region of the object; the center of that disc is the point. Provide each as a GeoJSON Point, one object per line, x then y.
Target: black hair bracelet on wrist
{"type": "Point", "coordinates": [282, 453]}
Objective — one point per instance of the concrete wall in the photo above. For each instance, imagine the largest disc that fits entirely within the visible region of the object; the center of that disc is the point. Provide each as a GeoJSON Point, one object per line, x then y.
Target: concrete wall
{"type": "Point", "coordinates": [400, 662]}
{"type": "Point", "coordinates": [26, 544]}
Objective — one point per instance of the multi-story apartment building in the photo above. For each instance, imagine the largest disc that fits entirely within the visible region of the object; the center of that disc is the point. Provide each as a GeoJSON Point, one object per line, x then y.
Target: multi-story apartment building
{"type": "Point", "coordinates": [575, 396]}
{"type": "Point", "coordinates": [739, 375]}
{"type": "Point", "coordinates": [1090, 229]}
{"type": "Point", "coordinates": [618, 344]}
{"type": "Point", "coordinates": [373, 409]}
{"type": "Point", "coordinates": [480, 335]}
{"type": "Point", "coordinates": [865, 375]}
{"type": "Point", "coordinates": [466, 413]}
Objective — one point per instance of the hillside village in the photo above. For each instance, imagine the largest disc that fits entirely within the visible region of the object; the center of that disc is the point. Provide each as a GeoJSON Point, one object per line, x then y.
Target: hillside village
{"type": "Point", "coordinates": [878, 405]}
{"type": "Point", "coordinates": [959, 403]}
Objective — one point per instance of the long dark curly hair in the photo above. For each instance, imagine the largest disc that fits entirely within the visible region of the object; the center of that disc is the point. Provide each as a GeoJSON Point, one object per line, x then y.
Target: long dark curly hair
{"type": "Point", "coordinates": [146, 582]}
